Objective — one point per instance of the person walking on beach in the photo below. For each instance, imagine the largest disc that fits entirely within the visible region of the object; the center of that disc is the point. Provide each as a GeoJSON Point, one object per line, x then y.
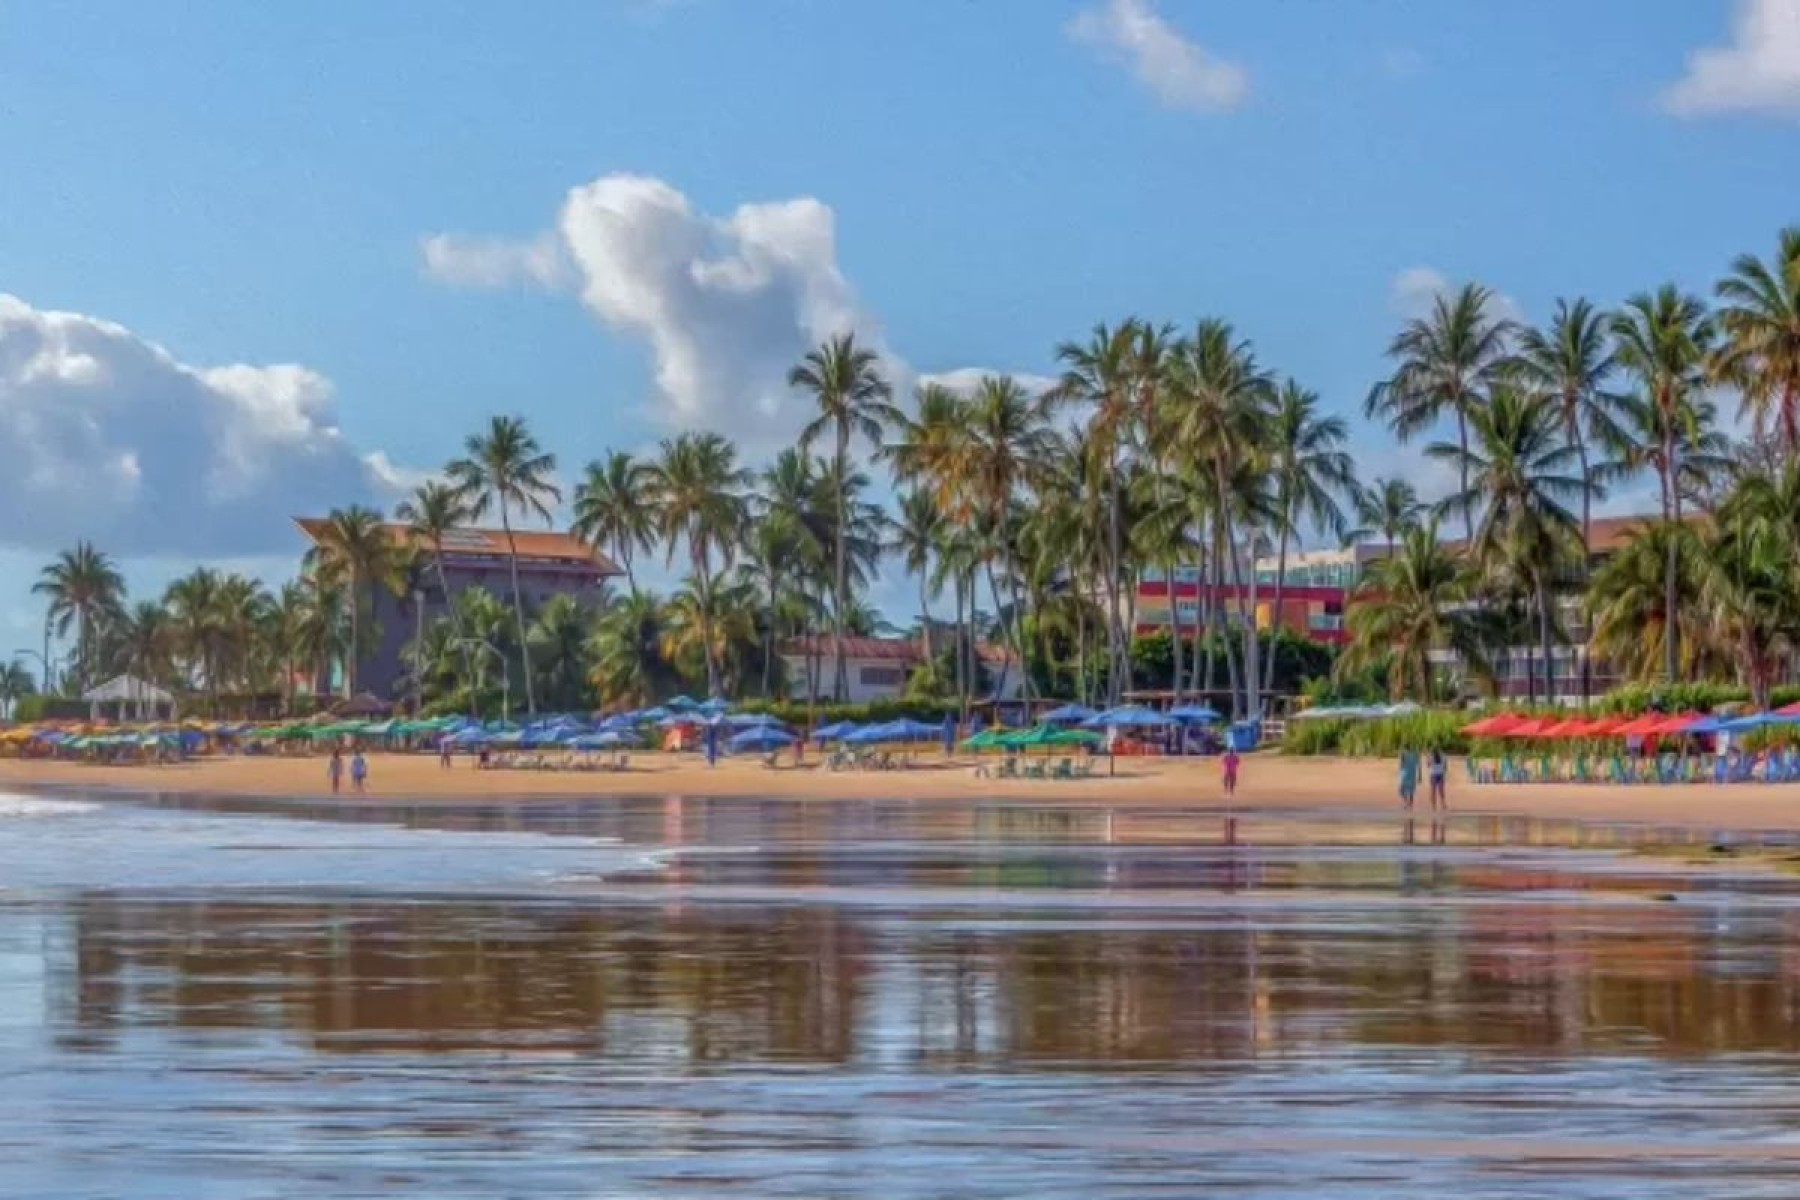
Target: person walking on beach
{"type": "Point", "coordinates": [1230, 762]}
{"type": "Point", "coordinates": [334, 770]}
{"type": "Point", "coordinates": [1439, 769]}
{"type": "Point", "coordinates": [359, 772]}
{"type": "Point", "coordinates": [444, 753]}
{"type": "Point", "coordinates": [1409, 777]}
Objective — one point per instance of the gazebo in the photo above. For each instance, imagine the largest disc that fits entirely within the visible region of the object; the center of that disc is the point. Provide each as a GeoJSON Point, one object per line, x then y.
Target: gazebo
{"type": "Point", "coordinates": [136, 698]}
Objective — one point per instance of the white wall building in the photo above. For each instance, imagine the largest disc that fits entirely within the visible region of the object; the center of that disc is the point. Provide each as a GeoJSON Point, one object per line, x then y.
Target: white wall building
{"type": "Point", "coordinates": [878, 668]}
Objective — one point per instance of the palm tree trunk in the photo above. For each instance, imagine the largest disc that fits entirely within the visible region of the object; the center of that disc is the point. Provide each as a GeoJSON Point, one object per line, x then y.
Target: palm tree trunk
{"type": "Point", "coordinates": [840, 688]}
{"type": "Point", "coordinates": [1287, 517]}
{"type": "Point", "coordinates": [703, 588]}
{"type": "Point", "coordinates": [1671, 565]}
{"type": "Point", "coordinates": [1587, 566]}
{"type": "Point", "coordinates": [456, 625]}
{"type": "Point", "coordinates": [512, 561]}
{"type": "Point", "coordinates": [1544, 640]}
{"type": "Point", "coordinates": [925, 622]}
{"type": "Point", "coordinates": [1081, 688]}
{"type": "Point", "coordinates": [1174, 632]}
{"type": "Point", "coordinates": [1462, 438]}
{"type": "Point", "coordinates": [994, 594]}
{"type": "Point", "coordinates": [355, 635]}
{"type": "Point", "coordinates": [1252, 642]}
{"type": "Point", "coordinates": [1114, 634]}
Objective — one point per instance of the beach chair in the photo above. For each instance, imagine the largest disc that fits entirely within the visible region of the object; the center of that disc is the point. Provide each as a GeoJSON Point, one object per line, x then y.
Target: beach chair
{"type": "Point", "coordinates": [1009, 768]}
{"type": "Point", "coordinates": [1063, 770]}
{"type": "Point", "coordinates": [1035, 769]}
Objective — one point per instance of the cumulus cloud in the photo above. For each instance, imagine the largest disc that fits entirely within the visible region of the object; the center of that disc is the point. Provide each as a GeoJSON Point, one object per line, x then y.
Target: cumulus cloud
{"type": "Point", "coordinates": [1758, 72]}
{"type": "Point", "coordinates": [1413, 289]}
{"type": "Point", "coordinates": [107, 436]}
{"type": "Point", "coordinates": [482, 262]}
{"type": "Point", "coordinates": [724, 304]}
{"type": "Point", "coordinates": [1179, 72]}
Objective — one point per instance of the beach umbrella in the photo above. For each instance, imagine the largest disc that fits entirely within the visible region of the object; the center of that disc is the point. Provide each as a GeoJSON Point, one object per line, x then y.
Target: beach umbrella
{"type": "Point", "coordinates": [1130, 716]}
{"type": "Point", "coordinates": [987, 739]}
{"type": "Point", "coordinates": [1493, 726]}
{"type": "Point", "coordinates": [760, 740]}
{"type": "Point", "coordinates": [714, 706]}
{"type": "Point", "coordinates": [682, 703]}
{"type": "Point", "coordinates": [754, 721]}
{"type": "Point", "coordinates": [1198, 714]}
{"type": "Point", "coordinates": [835, 731]}
{"type": "Point", "coordinates": [1025, 739]}
{"type": "Point", "coordinates": [1073, 737]}
{"type": "Point", "coordinates": [1679, 723]}
{"type": "Point", "coordinates": [908, 730]}
{"type": "Point", "coordinates": [1068, 714]}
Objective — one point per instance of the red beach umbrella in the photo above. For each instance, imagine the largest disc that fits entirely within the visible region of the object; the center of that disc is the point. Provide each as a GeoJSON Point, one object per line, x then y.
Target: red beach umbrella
{"type": "Point", "coordinates": [1677, 723]}
{"type": "Point", "coordinates": [1497, 725]}
{"type": "Point", "coordinates": [1640, 726]}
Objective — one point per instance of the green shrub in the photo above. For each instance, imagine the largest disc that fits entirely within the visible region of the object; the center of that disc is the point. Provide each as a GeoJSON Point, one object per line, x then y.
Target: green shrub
{"type": "Point", "coordinates": [1383, 737]}
{"type": "Point", "coordinates": [794, 712]}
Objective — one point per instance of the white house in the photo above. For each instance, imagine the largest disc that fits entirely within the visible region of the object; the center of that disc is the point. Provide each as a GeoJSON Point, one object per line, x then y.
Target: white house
{"type": "Point", "coordinates": [878, 668]}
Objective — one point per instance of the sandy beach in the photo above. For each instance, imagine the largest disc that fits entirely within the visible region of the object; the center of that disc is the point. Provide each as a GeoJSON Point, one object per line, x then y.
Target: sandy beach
{"type": "Point", "coordinates": [1268, 783]}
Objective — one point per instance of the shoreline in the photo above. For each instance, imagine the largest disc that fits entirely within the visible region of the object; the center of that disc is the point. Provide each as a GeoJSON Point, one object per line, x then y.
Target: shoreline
{"type": "Point", "coordinates": [1326, 786]}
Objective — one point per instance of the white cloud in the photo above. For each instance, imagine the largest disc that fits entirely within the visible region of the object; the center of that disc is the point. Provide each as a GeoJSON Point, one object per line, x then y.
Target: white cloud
{"type": "Point", "coordinates": [109, 437]}
{"type": "Point", "coordinates": [1758, 72]}
{"type": "Point", "coordinates": [1413, 289]}
{"type": "Point", "coordinates": [1177, 70]}
{"type": "Point", "coordinates": [965, 380]}
{"type": "Point", "coordinates": [483, 262]}
{"type": "Point", "coordinates": [726, 305]}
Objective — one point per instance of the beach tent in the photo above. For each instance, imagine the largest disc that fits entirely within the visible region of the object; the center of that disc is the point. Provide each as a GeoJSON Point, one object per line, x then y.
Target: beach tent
{"type": "Point", "coordinates": [135, 698]}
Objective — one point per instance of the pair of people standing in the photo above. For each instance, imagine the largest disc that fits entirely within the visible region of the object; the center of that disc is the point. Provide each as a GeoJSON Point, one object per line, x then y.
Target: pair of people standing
{"type": "Point", "coordinates": [1437, 768]}
{"type": "Point", "coordinates": [359, 771]}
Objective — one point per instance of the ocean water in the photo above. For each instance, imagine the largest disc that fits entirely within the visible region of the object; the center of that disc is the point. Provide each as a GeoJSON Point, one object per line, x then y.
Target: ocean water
{"type": "Point", "coordinates": [682, 998]}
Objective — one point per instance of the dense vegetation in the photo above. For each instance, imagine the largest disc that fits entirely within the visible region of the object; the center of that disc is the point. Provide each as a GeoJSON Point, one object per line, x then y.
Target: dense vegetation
{"type": "Point", "coordinates": [1028, 518]}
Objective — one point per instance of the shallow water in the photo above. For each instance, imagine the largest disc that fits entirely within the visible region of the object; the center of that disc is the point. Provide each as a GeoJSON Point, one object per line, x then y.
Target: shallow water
{"type": "Point", "coordinates": [700, 998]}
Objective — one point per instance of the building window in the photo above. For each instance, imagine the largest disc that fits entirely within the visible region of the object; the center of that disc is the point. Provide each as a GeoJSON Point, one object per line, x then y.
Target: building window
{"type": "Point", "coordinates": [881, 676]}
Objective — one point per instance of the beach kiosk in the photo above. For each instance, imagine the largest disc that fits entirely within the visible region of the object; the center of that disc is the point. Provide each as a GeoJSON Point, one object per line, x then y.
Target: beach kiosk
{"type": "Point", "coordinates": [137, 699]}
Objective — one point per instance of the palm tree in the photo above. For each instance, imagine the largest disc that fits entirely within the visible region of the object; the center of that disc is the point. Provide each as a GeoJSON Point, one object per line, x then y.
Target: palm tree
{"type": "Point", "coordinates": [625, 650]}
{"type": "Point", "coordinates": [432, 513]}
{"type": "Point", "coordinates": [710, 627]}
{"type": "Point", "coordinates": [1311, 471]}
{"type": "Point", "coordinates": [84, 588]}
{"type": "Point", "coordinates": [1662, 342]}
{"type": "Point", "coordinates": [146, 642]}
{"type": "Point", "coordinates": [698, 488]}
{"type": "Point", "coordinates": [613, 509]}
{"type": "Point", "coordinates": [1009, 439]}
{"type": "Point", "coordinates": [1220, 408]}
{"type": "Point", "coordinates": [353, 543]}
{"type": "Point", "coordinates": [1748, 587]}
{"type": "Point", "coordinates": [1572, 361]}
{"type": "Point", "coordinates": [193, 605]}
{"type": "Point", "coordinates": [1388, 507]}
{"type": "Point", "coordinates": [558, 633]}
{"type": "Point", "coordinates": [1101, 373]}
{"type": "Point", "coordinates": [1627, 601]}
{"type": "Point", "coordinates": [914, 540]}
{"type": "Point", "coordinates": [1446, 363]}
{"type": "Point", "coordinates": [504, 469]}
{"type": "Point", "coordinates": [1759, 315]}
{"type": "Point", "coordinates": [853, 398]}
{"type": "Point", "coordinates": [1522, 475]}
{"type": "Point", "coordinates": [15, 684]}
{"type": "Point", "coordinates": [1409, 605]}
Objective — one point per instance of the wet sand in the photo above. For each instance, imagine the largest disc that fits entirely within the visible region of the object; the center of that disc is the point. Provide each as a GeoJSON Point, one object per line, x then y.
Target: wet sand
{"type": "Point", "coordinates": [1267, 783]}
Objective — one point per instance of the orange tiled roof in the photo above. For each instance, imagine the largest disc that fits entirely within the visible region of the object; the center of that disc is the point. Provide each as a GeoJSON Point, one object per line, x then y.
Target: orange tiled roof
{"type": "Point", "coordinates": [541, 544]}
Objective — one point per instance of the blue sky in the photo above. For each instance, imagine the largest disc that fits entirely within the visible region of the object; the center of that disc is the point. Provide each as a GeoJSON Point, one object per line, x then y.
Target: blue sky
{"type": "Point", "coordinates": [967, 182]}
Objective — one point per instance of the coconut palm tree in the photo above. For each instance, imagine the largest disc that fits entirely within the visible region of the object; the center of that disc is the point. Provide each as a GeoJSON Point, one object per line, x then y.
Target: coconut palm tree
{"type": "Point", "coordinates": [558, 633]}
{"type": "Point", "coordinates": [1102, 375]}
{"type": "Point", "coordinates": [1409, 605]}
{"type": "Point", "coordinates": [15, 684]}
{"type": "Point", "coordinates": [433, 512]}
{"type": "Point", "coordinates": [1446, 361]}
{"type": "Point", "coordinates": [613, 510]}
{"type": "Point", "coordinates": [699, 494]}
{"type": "Point", "coordinates": [625, 651]}
{"type": "Point", "coordinates": [1311, 472]}
{"type": "Point", "coordinates": [1009, 439]}
{"type": "Point", "coordinates": [1523, 478]}
{"type": "Point", "coordinates": [1662, 342]}
{"type": "Point", "coordinates": [854, 401]}
{"type": "Point", "coordinates": [83, 587]}
{"type": "Point", "coordinates": [1748, 588]}
{"type": "Point", "coordinates": [913, 539]}
{"type": "Point", "coordinates": [353, 544]}
{"type": "Point", "coordinates": [1219, 406]}
{"type": "Point", "coordinates": [1572, 361]}
{"type": "Point", "coordinates": [1627, 602]}
{"type": "Point", "coordinates": [504, 470]}
{"type": "Point", "coordinates": [1388, 508]}
{"type": "Point", "coordinates": [146, 643]}
{"type": "Point", "coordinates": [1759, 354]}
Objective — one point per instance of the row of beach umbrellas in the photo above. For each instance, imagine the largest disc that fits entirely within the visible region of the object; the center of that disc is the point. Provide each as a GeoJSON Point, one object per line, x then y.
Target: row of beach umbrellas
{"type": "Point", "coordinates": [1512, 725]}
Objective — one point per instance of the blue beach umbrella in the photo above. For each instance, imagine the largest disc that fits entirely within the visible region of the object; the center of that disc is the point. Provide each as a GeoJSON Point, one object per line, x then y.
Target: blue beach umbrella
{"type": "Point", "coordinates": [1129, 716]}
{"type": "Point", "coordinates": [760, 740]}
{"type": "Point", "coordinates": [1068, 714]}
{"type": "Point", "coordinates": [835, 731]}
{"type": "Point", "coordinates": [1197, 714]}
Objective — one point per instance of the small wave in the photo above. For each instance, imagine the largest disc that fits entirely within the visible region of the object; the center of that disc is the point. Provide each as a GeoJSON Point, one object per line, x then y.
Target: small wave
{"type": "Point", "coordinates": [34, 806]}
